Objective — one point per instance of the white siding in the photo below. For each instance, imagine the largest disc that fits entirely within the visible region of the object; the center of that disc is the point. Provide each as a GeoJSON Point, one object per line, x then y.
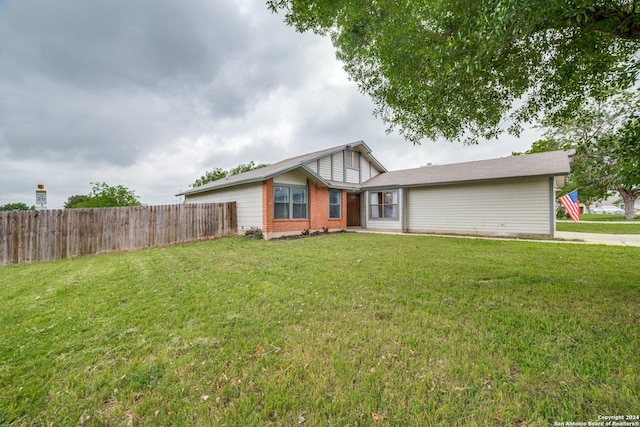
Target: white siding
{"type": "Point", "coordinates": [382, 224]}
{"type": "Point", "coordinates": [325, 167]}
{"type": "Point", "coordinates": [353, 176]}
{"type": "Point", "coordinates": [291, 178]}
{"type": "Point", "coordinates": [313, 165]}
{"type": "Point", "coordinates": [508, 208]}
{"type": "Point", "coordinates": [336, 161]}
{"type": "Point", "coordinates": [248, 200]}
{"type": "Point", "coordinates": [338, 167]}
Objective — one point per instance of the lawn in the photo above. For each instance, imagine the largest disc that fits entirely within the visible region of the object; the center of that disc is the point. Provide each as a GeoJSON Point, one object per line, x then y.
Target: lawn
{"type": "Point", "coordinates": [347, 329]}
{"type": "Point", "coordinates": [600, 227]}
{"type": "Point", "coordinates": [607, 218]}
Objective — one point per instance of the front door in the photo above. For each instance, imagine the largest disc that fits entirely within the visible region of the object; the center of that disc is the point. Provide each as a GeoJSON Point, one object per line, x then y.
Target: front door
{"type": "Point", "coordinates": [353, 210]}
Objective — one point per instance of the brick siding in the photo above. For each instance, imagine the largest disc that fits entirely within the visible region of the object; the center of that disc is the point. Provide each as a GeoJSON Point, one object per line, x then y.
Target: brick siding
{"type": "Point", "coordinates": [318, 204]}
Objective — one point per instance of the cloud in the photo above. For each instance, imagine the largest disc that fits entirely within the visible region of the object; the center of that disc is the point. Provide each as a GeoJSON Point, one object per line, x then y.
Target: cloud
{"type": "Point", "coordinates": [151, 94]}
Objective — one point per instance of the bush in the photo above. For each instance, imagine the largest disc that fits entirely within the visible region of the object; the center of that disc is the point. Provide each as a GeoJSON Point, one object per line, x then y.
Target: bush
{"type": "Point", "coordinates": [562, 214]}
{"type": "Point", "coordinates": [254, 233]}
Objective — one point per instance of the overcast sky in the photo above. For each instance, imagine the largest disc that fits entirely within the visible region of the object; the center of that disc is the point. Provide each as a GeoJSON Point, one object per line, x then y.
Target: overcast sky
{"type": "Point", "coordinates": [150, 94]}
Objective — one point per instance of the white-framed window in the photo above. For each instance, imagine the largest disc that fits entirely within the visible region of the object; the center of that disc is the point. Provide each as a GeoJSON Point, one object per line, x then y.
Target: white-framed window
{"type": "Point", "coordinates": [383, 204]}
{"type": "Point", "coordinates": [335, 204]}
{"type": "Point", "coordinates": [289, 202]}
{"type": "Point", "coordinates": [353, 159]}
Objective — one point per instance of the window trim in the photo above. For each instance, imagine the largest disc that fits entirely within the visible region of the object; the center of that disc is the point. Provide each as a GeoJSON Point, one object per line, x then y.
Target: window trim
{"type": "Point", "coordinates": [353, 157]}
{"type": "Point", "coordinates": [383, 205]}
{"type": "Point", "coordinates": [290, 201]}
{"type": "Point", "coordinates": [339, 204]}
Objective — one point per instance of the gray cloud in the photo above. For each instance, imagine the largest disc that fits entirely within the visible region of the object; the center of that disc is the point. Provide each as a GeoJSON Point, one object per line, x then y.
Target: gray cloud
{"type": "Point", "coordinates": [152, 93]}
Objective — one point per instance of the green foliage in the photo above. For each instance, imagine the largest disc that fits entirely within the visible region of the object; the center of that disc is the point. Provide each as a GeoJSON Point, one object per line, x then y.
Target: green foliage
{"type": "Point", "coordinates": [455, 68]}
{"type": "Point", "coordinates": [73, 201]}
{"type": "Point", "coordinates": [254, 233]}
{"type": "Point", "coordinates": [627, 146]}
{"type": "Point", "coordinates": [541, 146]}
{"type": "Point", "coordinates": [416, 330]}
{"type": "Point", "coordinates": [561, 213]}
{"type": "Point", "coordinates": [210, 176]}
{"type": "Point", "coordinates": [219, 173]}
{"type": "Point", "coordinates": [16, 207]}
{"type": "Point", "coordinates": [103, 195]}
{"type": "Point", "coordinates": [606, 137]}
{"type": "Point", "coordinates": [246, 167]}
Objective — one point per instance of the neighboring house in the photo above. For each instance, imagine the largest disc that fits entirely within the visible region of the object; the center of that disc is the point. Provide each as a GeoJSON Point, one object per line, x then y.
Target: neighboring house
{"type": "Point", "coordinates": [345, 186]}
{"type": "Point", "coordinates": [614, 200]}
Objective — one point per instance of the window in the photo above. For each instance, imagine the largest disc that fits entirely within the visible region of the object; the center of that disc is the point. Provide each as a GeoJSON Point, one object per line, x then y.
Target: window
{"type": "Point", "coordinates": [384, 204]}
{"type": "Point", "coordinates": [353, 159]}
{"type": "Point", "coordinates": [335, 204]}
{"type": "Point", "coordinates": [289, 202]}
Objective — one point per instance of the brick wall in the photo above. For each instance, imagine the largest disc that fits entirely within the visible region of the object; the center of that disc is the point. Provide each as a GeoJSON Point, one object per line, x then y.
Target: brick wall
{"type": "Point", "coordinates": [318, 213]}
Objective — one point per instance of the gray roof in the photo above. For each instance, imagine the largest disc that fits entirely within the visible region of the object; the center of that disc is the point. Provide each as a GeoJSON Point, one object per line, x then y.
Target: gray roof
{"type": "Point", "coordinates": [553, 163]}
{"type": "Point", "coordinates": [258, 175]}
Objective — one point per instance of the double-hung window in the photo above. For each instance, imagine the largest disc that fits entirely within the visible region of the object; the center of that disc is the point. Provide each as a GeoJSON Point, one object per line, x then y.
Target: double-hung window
{"type": "Point", "coordinates": [289, 202]}
{"type": "Point", "coordinates": [383, 204]}
{"type": "Point", "coordinates": [335, 204]}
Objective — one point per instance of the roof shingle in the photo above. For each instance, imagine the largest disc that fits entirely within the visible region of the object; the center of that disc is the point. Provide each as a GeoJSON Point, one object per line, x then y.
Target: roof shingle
{"type": "Point", "coordinates": [553, 163]}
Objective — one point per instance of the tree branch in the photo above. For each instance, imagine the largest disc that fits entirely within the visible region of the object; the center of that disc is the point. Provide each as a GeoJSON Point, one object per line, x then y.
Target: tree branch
{"type": "Point", "coordinates": [623, 24]}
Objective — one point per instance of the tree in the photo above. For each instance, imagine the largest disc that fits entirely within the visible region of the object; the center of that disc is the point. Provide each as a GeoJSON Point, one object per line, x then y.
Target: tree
{"type": "Point", "coordinates": [210, 176]}
{"type": "Point", "coordinates": [103, 195]}
{"type": "Point", "coordinates": [622, 167]}
{"type": "Point", "coordinates": [16, 207]}
{"type": "Point", "coordinates": [457, 68]}
{"type": "Point", "coordinates": [606, 137]}
{"type": "Point", "coordinates": [72, 201]}
{"type": "Point", "coordinates": [219, 173]}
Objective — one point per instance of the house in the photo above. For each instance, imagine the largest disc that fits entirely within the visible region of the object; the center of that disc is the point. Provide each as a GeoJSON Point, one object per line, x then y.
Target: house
{"type": "Point", "coordinates": [613, 200]}
{"type": "Point", "coordinates": [346, 186]}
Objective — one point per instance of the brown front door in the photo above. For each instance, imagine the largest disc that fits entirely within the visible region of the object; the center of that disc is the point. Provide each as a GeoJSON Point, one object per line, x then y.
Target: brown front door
{"type": "Point", "coordinates": [353, 210]}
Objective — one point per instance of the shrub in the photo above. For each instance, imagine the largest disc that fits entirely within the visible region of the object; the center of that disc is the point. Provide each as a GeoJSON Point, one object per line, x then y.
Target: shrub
{"type": "Point", "coordinates": [254, 233]}
{"type": "Point", "coordinates": [562, 214]}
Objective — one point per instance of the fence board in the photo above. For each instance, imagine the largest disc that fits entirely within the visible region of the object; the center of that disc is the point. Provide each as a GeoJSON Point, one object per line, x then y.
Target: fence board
{"type": "Point", "coordinates": [29, 236]}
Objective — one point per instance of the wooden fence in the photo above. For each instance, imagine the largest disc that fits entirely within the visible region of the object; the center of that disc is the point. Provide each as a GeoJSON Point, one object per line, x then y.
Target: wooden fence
{"type": "Point", "coordinates": [28, 236]}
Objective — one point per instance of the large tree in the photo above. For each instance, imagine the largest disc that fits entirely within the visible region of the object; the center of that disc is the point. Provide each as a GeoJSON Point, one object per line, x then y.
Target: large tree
{"type": "Point", "coordinates": [622, 168]}
{"type": "Point", "coordinates": [103, 195]}
{"type": "Point", "coordinates": [219, 173]}
{"type": "Point", "coordinates": [606, 138]}
{"type": "Point", "coordinates": [458, 68]}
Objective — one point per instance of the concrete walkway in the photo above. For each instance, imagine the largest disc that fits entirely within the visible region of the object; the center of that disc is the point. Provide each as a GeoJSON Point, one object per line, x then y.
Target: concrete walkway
{"type": "Point", "coordinates": [560, 237]}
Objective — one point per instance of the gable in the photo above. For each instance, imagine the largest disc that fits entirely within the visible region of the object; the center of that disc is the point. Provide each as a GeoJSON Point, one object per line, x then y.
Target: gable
{"type": "Point", "coordinates": [314, 163]}
{"type": "Point", "coordinates": [351, 165]}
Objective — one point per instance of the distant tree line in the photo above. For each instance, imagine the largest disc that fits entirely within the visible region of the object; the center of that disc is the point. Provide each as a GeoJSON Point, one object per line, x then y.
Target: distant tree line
{"type": "Point", "coordinates": [103, 195]}
{"type": "Point", "coordinates": [16, 207]}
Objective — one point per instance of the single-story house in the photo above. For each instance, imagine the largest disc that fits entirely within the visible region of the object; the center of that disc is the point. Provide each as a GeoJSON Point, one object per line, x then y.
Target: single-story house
{"type": "Point", "coordinates": [346, 186]}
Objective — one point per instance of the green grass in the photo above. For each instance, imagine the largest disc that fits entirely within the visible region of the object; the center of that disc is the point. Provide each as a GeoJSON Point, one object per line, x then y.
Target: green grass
{"type": "Point", "coordinates": [603, 228]}
{"type": "Point", "coordinates": [607, 218]}
{"type": "Point", "coordinates": [349, 329]}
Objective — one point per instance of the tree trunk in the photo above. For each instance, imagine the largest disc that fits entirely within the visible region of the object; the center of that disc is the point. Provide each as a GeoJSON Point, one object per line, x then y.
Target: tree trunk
{"type": "Point", "coordinates": [629, 197]}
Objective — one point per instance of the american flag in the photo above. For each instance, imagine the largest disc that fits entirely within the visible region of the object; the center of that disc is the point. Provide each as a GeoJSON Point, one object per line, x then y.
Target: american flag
{"type": "Point", "coordinates": [571, 204]}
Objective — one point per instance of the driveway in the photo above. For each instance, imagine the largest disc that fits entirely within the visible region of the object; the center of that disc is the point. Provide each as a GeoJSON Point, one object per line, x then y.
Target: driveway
{"type": "Point", "coordinates": [600, 239]}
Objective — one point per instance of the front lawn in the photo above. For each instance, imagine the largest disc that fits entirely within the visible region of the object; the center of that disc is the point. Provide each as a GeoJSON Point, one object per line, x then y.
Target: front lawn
{"type": "Point", "coordinates": [602, 228]}
{"type": "Point", "coordinates": [607, 218]}
{"type": "Point", "coordinates": [348, 329]}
